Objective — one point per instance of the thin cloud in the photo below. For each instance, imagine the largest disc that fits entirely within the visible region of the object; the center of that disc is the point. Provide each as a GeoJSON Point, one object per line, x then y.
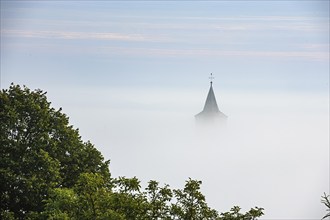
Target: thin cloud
{"type": "Point", "coordinates": [311, 46]}
{"type": "Point", "coordinates": [309, 55]}
{"type": "Point", "coordinates": [237, 23]}
{"type": "Point", "coordinates": [312, 52]}
{"type": "Point", "coordinates": [78, 35]}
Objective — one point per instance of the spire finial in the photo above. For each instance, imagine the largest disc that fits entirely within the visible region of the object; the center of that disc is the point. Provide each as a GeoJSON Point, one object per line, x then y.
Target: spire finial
{"type": "Point", "coordinates": [211, 78]}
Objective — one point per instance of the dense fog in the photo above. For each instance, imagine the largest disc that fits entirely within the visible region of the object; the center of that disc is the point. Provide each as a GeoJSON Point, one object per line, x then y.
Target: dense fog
{"type": "Point", "coordinates": [272, 153]}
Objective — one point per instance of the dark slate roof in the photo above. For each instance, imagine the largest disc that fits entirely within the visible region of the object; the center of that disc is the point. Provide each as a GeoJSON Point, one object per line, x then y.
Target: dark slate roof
{"type": "Point", "coordinates": [211, 109]}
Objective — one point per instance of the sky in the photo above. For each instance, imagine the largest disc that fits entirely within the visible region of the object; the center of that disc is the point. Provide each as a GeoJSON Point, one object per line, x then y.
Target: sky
{"type": "Point", "coordinates": [131, 75]}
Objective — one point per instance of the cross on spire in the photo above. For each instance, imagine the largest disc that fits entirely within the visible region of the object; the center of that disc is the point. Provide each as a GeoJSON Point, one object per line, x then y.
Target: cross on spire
{"type": "Point", "coordinates": [211, 78]}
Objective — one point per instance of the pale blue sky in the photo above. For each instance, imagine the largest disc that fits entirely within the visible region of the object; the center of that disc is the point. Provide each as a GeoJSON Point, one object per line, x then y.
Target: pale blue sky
{"type": "Point", "coordinates": [131, 75]}
{"type": "Point", "coordinates": [247, 44]}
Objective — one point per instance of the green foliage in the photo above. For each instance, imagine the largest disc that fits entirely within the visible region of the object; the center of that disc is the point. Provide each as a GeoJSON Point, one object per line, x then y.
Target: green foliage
{"type": "Point", "coordinates": [234, 214]}
{"type": "Point", "coordinates": [61, 204]}
{"type": "Point", "coordinates": [47, 172]}
{"type": "Point", "coordinates": [326, 201]}
{"type": "Point", "coordinates": [158, 201]}
{"type": "Point", "coordinates": [128, 200]}
{"type": "Point", "coordinates": [90, 198]}
{"type": "Point", "coordinates": [191, 203]}
{"type": "Point", "coordinates": [39, 151]}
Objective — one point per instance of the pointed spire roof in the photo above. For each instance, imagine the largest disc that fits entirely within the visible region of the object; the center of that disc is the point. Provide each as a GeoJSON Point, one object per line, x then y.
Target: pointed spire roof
{"type": "Point", "coordinates": [211, 103]}
{"type": "Point", "coordinates": [211, 109]}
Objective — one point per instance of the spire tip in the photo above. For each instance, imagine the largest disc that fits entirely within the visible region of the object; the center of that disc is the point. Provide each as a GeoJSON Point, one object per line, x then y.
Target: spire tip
{"type": "Point", "coordinates": [211, 78]}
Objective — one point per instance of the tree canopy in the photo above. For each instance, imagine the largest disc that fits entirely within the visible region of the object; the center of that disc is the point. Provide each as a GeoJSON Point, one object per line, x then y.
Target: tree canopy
{"type": "Point", "coordinates": [39, 151]}
{"type": "Point", "coordinates": [48, 172]}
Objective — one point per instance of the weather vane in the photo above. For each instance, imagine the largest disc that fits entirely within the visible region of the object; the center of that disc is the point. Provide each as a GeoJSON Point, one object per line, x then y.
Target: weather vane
{"type": "Point", "coordinates": [211, 78]}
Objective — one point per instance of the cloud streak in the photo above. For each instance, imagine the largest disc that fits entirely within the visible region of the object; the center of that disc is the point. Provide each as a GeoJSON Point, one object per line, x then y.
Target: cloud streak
{"type": "Point", "coordinates": [71, 35]}
{"type": "Point", "coordinates": [310, 55]}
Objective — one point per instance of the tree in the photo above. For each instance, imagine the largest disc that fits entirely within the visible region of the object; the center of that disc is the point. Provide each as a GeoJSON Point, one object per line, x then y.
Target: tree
{"type": "Point", "coordinates": [61, 204]}
{"type": "Point", "coordinates": [191, 203]}
{"type": "Point", "coordinates": [158, 201]}
{"type": "Point", "coordinates": [234, 214]}
{"type": "Point", "coordinates": [326, 201]}
{"type": "Point", "coordinates": [39, 151]}
{"type": "Point", "coordinates": [90, 198]}
{"type": "Point", "coordinates": [128, 200]}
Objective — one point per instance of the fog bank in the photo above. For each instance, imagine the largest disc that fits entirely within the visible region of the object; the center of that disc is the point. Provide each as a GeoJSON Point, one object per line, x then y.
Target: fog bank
{"type": "Point", "coordinates": [273, 152]}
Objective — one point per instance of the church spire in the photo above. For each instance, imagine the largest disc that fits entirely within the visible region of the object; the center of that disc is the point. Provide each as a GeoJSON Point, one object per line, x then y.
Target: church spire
{"type": "Point", "coordinates": [211, 105]}
{"type": "Point", "coordinates": [211, 110]}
